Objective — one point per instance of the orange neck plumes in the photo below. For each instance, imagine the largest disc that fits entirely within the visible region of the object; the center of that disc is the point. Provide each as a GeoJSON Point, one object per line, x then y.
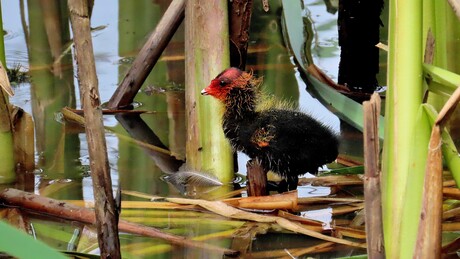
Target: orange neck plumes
{"type": "Point", "coordinates": [240, 99]}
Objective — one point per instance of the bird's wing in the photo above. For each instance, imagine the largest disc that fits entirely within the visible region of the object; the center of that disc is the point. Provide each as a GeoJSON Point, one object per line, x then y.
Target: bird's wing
{"type": "Point", "coordinates": [263, 136]}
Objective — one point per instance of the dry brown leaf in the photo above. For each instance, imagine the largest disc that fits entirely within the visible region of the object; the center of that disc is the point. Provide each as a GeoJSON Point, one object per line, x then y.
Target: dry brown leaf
{"type": "Point", "coordinates": [382, 46]}
{"type": "Point", "coordinates": [340, 210]}
{"type": "Point", "coordinates": [4, 81]}
{"type": "Point", "coordinates": [429, 48]}
{"type": "Point", "coordinates": [287, 200]}
{"type": "Point", "coordinates": [223, 209]}
{"type": "Point", "coordinates": [428, 244]}
{"type": "Point", "coordinates": [350, 232]}
{"type": "Point", "coordinates": [448, 108]}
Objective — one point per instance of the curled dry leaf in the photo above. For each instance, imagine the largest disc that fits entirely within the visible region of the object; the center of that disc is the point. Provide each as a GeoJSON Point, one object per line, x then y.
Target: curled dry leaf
{"type": "Point", "coordinates": [455, 6]}
{"type": "Point", "coordinates": [382, 46]}
{"type": "Point", "coordinates": [4, 81]}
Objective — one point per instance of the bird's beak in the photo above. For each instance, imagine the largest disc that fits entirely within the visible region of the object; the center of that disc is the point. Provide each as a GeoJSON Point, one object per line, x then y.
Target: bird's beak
{"type": "Point", "coordinates": [203, 92]}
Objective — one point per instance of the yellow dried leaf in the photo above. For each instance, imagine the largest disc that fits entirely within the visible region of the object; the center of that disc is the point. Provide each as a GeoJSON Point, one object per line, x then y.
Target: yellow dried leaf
{"type": "Point", "coordinates": [4, 81]}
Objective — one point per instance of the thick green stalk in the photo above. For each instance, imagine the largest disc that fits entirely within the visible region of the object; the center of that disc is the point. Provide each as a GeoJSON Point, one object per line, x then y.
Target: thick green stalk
{"type": "Point", "coordinates": [437, 13]}
{"type": "Point", "coordinates": [7, 174]}
{"type": "Point", "coordinates": [440, 10]}
{"type": "Point", "coordinates": [7, 166]}
{"type": "Point", "coordinates": [404, 97]}
{"type": "Point", "coordinates": [412, 202]}
{"type": "Point", "coordinates": [207, 54]}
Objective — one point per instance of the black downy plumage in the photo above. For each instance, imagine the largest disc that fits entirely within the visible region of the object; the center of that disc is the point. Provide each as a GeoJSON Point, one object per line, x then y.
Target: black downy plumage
{"type": "Point", "coordinates": [287, 142]}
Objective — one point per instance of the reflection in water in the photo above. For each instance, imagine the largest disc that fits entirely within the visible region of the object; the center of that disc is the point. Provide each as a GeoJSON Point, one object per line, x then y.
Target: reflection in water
{"type": "Point", "coordinates": [138, 129]}
{"type": "Point", "coordinates": [61, 147]}
{"type": "Point", "coordinates": [52, 87]}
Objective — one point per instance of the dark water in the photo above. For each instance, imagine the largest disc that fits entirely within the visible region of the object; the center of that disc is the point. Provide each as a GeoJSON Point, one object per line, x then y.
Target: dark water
{"type": "Point", "coordinates": [62, 160]}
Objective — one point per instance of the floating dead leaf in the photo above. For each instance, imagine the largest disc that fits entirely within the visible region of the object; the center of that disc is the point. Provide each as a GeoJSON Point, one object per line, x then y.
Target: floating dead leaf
{"type": "Point", "coordinates": [346, 209]}
{"type": "Point", "coordinates": [348, 161]}
{"type": "Point", "coordinates": [350, 232]}
{"type": "Point", "coordinates": [224, 209]}
{"type": "Point", "coordinates": [243, 237]}
{"type": "Point", "coordinates": [314, 225]}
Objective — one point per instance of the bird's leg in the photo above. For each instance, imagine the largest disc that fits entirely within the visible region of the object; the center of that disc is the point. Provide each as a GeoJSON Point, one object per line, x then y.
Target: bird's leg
{"type": "Point", "coordinates": [292, 182]}
{"type": "Point", "coordinates": [288, 184]}
{"type": "Point", "coordinates": [283, 186]}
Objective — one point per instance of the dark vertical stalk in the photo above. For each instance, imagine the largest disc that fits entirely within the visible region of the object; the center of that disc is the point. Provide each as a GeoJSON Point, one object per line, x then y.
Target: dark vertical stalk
{"type": "Point", "coordinates": [240, 21]}
{"type": "Point", "coordinates": [372, 193]}
{"type": "Point", "coordinates": [239, 16]}
{"type": "Point", "coordinates": [359, 27]}
{"type": "Point", "coordinates": [105, 208]}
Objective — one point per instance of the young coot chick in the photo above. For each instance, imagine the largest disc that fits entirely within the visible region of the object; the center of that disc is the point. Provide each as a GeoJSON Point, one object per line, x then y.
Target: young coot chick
{"type": "Point", "coordinates": [287, 142]}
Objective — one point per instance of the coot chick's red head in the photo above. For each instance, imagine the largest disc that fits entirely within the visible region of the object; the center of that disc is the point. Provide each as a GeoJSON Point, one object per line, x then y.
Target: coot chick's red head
{"type": "Point", "coordinates": [286, 141]}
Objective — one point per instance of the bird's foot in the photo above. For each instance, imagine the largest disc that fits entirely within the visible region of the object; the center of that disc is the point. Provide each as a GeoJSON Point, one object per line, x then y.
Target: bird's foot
{"type": "Point", "coordinates": [283, 186]}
